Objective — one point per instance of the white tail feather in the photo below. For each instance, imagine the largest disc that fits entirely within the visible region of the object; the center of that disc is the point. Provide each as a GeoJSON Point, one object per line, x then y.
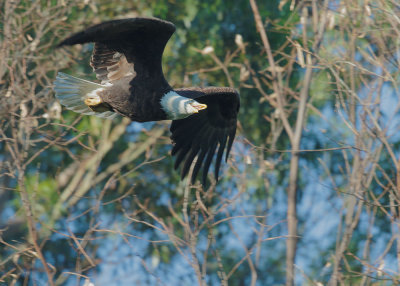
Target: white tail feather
{"type": "Point", "coordinates": [72, 91]}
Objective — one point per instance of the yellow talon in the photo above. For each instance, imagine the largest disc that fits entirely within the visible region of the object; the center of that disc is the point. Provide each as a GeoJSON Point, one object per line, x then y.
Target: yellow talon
{"type": "Point", "coordinates": [93, 101]}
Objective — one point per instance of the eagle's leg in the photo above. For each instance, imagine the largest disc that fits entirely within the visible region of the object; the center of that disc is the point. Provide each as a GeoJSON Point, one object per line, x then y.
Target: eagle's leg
{"type": "Point", "coordinates": [95, 103]}
{"type": "Point", "coordinates": [93, 100]}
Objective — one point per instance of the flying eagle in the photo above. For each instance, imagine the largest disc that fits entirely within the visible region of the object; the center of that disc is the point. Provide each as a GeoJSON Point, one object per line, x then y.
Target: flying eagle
{"type": "Point", "coordinates": [127, 60]}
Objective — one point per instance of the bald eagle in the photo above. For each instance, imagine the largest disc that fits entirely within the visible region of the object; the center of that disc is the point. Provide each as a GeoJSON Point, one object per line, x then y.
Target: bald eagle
{"type": "Point", "coordinates": [127, 60]}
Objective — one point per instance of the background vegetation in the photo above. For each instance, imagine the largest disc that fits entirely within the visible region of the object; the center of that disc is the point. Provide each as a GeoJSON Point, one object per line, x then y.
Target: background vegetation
{"type": "Point", "coordinates": [310, 194]}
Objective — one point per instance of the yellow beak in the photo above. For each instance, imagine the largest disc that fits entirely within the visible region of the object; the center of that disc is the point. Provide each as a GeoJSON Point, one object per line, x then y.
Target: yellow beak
{"type": "Point", "coordinates": [199, 106]}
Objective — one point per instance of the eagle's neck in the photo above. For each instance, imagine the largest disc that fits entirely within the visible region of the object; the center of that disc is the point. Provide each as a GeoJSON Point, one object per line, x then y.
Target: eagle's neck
{"type": "Point", "coordinates": [176, 106]}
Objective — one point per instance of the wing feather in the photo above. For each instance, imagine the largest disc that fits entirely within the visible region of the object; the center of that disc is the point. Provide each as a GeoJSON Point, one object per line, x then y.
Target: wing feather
{"type": "Point", "coordinates": [232, 134]}
{"type": "Point", "coordinates": [187, 129]}
{"type": "Point", "coordinates": [181, 155]}
{"type": "Point", "coordinates": [199, 162]}
{"type": "Point", "coordinates": [189, 159]}
{"type": "Point", "coordinates": [197, 144]}
{"type": "Point", "coordinates": [222, 143]}
{"type": "Point", "coordinates": [207, 163]}
{"type": "Point", "coordinates": [124, 44]}
{"type": "Point", "coordinates": [110, 65]}
{"type": "Point", "coordinates": [210, 131]}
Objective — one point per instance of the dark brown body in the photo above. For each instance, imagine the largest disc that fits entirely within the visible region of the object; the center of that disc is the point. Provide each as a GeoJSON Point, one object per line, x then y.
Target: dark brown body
{"type": "Point", "coordinates": [135, 101]}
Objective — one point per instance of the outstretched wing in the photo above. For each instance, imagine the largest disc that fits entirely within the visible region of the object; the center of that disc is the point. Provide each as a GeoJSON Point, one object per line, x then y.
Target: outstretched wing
{"type": "Point", "coordinates": [125, 46]}
{"type": "Point", "coordinates": [203, 133]}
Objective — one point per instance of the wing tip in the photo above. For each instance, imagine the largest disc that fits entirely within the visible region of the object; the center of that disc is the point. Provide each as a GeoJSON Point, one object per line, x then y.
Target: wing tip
{"type": "Point", "coordinates": [89, 34]}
